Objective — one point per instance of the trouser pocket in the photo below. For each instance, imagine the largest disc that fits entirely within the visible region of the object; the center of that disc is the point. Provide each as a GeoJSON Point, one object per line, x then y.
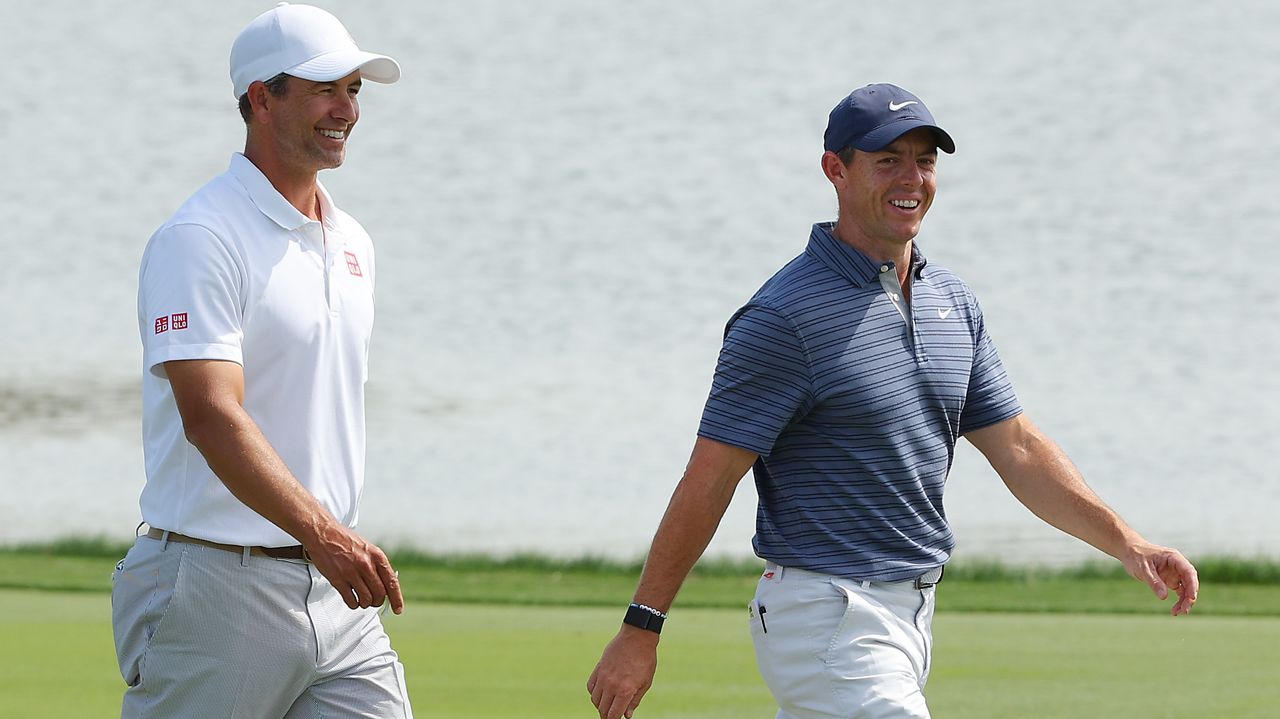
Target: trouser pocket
{"type": "Point", "coordinates": [142, 589]}
{"type": "Point", "coordinates": [792, 622]}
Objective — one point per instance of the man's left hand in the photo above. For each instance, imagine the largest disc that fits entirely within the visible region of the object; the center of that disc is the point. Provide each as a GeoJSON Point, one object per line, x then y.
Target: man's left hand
{"type": "Point", "coordinates": [1165, 569]}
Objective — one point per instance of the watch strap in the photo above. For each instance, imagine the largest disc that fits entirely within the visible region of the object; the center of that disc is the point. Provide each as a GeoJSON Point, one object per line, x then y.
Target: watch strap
{"type": "Point", "coordinates": [644, 617]}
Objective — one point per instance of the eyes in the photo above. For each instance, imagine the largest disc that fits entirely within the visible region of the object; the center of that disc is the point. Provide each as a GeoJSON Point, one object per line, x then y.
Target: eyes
{"type": "Point", "coordinates": [925, 161]}
{"type": "Point", "coordinates": [331, 89]}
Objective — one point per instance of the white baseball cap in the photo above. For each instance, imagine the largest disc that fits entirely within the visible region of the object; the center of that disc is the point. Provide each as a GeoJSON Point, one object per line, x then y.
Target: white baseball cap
{"type": "Point", "coordinates": [305, 42]}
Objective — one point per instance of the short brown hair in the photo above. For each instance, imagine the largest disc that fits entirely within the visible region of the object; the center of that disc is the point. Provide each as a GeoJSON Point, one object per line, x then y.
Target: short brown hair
{"type": "Point", "coordinates": [277, 86]}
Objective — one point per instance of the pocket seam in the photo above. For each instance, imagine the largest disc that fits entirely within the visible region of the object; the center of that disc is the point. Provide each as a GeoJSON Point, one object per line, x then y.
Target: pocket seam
{"type": "Point", "coordinates": [840, 626]}
{"type": "Point", "coordinates": [164, 613]}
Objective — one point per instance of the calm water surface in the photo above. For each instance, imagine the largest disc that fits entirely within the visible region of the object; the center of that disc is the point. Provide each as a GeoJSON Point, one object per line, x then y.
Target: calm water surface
{"type": "Point", "coordinates": [570, 198]}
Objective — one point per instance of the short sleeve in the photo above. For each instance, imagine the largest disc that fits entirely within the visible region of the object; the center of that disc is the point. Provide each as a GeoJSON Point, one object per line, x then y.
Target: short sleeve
{"type": "Point", "coordinates": [762, 382]}
{"type": "Point", "coordinates": [189, 298]}
{"type": "Point", "coordinates": [990, 397]}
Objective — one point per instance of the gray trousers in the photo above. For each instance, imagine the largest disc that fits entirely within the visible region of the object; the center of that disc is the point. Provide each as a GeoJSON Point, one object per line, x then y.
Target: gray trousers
{"type": "Point", "coordinates": [203, 632]}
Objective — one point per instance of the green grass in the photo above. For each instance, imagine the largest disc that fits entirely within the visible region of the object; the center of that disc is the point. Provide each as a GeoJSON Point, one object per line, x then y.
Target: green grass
{"type": "Point", "coordinates": [490, 662]}
{"type": "Point", "coordinates": [1071, 666]}
{"type": "Point", "coordinates": [57, 657]}
{"type": "Point", "coordinates": [485, 637]}
{"type": "Point", "coordinates": [1231, 587]}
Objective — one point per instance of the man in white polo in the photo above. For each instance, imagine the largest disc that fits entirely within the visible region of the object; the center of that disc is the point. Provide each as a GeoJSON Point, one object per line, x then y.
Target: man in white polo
{"type": "Point", "coordinates": [251, 595]}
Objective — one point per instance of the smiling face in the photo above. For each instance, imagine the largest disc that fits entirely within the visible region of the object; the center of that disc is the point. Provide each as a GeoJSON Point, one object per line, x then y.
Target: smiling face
{"type": "Point", "coordinates": [316, 122]}
{"type": "Point", "coordinates": [309, 124]}
{"type": "Point", "coordinates": [884, 195]}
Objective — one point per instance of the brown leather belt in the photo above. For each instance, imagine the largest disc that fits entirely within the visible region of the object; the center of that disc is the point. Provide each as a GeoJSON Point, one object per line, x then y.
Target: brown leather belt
{"type": "Point", "coordinates": [294, 552]}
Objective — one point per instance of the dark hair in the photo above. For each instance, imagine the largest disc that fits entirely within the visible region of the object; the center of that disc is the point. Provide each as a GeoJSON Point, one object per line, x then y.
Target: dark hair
{"type": "Point", "coordinates": [277, 86]}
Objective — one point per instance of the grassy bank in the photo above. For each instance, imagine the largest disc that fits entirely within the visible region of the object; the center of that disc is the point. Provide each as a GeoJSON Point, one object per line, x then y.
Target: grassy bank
{"type": "Point", "coordinates": [1231, 587]}
{"type": "Point", "coordinates": [470, 661]}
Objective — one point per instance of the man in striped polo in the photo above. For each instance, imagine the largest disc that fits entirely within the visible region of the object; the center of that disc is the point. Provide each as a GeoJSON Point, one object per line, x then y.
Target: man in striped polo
{"type": "Point", "coordinates": [846, 382]}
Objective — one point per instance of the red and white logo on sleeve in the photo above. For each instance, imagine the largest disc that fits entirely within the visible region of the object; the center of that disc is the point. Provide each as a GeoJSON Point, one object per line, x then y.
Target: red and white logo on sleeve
{"type": "Point", "coordinates": [176, 321]}
{"type": "Point", "coordinates": [353, 264]}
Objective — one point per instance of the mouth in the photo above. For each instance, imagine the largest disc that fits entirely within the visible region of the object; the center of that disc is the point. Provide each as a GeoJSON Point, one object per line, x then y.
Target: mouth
{"type": "Point", "coordinates": [909, 205]}
{"type": "Point", "coordinates": [338, 135]}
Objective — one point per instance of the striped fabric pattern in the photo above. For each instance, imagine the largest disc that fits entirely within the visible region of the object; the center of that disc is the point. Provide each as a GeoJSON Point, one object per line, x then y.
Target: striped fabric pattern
{"type": "Point", "coordinates": [854, 400]}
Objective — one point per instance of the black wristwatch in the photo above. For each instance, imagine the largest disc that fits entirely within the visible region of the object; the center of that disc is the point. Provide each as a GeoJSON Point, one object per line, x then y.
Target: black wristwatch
{"type": "Point", "coordinates": [644, 617]}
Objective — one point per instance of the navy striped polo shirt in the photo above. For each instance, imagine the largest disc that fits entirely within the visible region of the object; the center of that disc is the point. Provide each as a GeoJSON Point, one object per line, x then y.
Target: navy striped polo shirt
{"type": "Point", "coordinates": [854, 399]}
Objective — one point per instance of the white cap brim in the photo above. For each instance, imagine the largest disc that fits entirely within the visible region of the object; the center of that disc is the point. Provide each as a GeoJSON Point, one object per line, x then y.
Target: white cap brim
{"type": "Point", "coordinates": [337, 65]}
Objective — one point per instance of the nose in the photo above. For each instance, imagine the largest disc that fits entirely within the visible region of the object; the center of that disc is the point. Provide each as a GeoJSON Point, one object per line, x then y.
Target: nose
{"type": "Point", "coordinates": [912, 175]}
{"type": "Point", "coordinates": [346, 108]}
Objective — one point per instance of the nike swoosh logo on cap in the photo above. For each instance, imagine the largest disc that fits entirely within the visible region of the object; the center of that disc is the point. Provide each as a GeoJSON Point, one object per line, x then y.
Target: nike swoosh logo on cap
{"type": "Point", "coordinates": [895, 106]}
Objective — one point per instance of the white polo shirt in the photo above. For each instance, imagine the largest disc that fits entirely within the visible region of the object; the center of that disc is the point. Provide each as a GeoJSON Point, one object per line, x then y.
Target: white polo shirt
{"type": "Point", "coordinates": [238, 274]}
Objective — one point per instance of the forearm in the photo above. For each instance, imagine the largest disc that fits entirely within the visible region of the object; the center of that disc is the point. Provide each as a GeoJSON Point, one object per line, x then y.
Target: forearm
{"type": "Point", "coordinates": [626, 668]}
{"type": "Point", "coordinates": [1041, 476]}
{"type": "Point", "coordinates": [1044, 479]}
{"type": "Point", "coordinates": [251, 469]}
{"type": "Point", "coordinates": [210, 399]}
{"type": "Point", "coordinates": [693, 514]}
{"type": "Point", "coordinates": [687, 527]}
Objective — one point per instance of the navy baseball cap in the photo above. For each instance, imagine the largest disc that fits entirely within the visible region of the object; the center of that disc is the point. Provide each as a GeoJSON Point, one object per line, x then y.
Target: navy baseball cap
{"type": "Point", "coordinates": [871, 117]}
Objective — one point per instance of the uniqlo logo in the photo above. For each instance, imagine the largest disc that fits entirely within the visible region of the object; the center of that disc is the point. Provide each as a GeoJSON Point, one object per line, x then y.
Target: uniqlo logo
{"type": "Point", "coordinates": [179, 321]}
{"type": "Point", "coordinates": [162, 324]}
{"type": "Point", "coordinates": [353, 265]}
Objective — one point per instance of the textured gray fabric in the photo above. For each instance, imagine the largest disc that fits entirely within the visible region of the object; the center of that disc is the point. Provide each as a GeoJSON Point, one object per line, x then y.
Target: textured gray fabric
{"type": "Point", "coordinates": [202, 632]}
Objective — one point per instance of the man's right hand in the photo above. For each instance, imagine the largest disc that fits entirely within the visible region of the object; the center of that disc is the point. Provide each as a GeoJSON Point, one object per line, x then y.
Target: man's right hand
{"type": "Point", "coordinates": [357, 568]}
{"type": "Point", "coordinates": [624, 673]}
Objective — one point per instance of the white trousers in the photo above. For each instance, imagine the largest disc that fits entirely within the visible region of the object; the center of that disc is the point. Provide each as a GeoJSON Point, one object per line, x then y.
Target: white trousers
{"type": "Point", "coordinates": [832, 648]}
{"type": "Point", "coordinates": [203, 632]}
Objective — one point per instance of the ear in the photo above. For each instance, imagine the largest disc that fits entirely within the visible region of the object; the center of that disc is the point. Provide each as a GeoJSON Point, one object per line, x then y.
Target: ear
{"type": "Point", "coordinates": [834, 169]}
{"type": "Point", "coordinates": [259, 97]}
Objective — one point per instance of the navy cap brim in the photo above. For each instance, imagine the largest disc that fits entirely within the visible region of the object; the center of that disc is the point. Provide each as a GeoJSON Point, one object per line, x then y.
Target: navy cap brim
{"type": "Point", "coordinates": [879, 138]}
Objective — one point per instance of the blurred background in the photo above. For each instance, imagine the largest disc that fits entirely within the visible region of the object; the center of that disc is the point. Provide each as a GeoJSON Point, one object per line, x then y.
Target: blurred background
{"type": "Point", "coordinates": [570, 198]}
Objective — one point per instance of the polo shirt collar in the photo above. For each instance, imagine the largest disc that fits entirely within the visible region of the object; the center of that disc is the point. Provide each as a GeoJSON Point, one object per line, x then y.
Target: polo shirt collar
{"type": "Point", "coordinates": [849, 262]}
{"type": "Point", "coordinates": [269, 200]}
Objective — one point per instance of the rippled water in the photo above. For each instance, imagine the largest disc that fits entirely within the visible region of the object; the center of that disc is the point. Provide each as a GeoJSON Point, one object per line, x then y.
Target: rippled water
{"type": "Point", "coordinates": [570, 198]}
